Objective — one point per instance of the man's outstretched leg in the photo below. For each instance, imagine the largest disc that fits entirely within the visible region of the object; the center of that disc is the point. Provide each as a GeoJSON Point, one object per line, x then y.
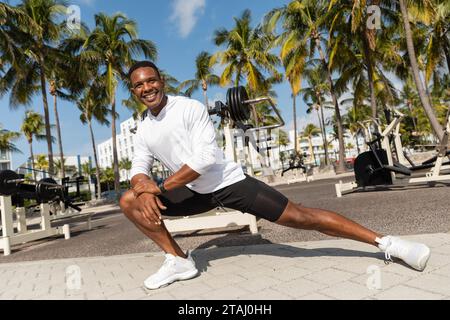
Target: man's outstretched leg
{"type": "Point", "coordinates": [177, 265]}
{"type": "Point", "coordinates": [330, 223]}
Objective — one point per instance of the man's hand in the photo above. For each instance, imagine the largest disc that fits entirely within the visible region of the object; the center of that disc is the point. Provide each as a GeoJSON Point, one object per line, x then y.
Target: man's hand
{"type": "Point", "coordinates": [150, 206]}
{"type": "Point", "coordinates": [146, 186]}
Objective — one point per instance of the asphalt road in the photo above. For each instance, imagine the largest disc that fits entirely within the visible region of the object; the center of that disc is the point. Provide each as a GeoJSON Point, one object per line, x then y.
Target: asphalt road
{"type": "Point", "coordinates": [412, 210]}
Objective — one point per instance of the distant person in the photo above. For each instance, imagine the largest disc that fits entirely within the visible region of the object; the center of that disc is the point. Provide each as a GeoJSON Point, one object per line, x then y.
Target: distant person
{"type": "Point", "coordinates": [178, 132]}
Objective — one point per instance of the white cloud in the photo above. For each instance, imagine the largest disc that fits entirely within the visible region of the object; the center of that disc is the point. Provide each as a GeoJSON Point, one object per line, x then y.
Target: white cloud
{"type": "Point", "coordinates": [185, 14]}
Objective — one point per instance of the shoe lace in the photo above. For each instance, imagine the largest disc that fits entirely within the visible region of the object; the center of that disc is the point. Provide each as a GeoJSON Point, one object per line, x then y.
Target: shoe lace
{"type": "Point", "coordinates": [393, 250]}
{"type": "Point", "coordinates": [387, 257]}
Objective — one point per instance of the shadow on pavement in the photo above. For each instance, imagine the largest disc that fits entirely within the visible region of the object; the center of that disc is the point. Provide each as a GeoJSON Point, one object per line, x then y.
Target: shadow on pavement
{"type": "Point", "coordinates": [255, 246]}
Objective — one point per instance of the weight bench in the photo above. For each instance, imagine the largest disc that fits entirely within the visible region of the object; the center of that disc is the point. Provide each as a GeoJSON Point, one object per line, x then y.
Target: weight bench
{"type": "Point", "coordinates": [12, 237]}
{"type": "Point", "coordinates": [218, 220]}
{"type": "Point", "coordinates": [61, 217]}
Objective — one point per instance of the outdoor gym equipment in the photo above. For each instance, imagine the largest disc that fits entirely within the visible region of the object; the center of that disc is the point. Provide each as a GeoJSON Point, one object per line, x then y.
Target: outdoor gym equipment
{"type": "Point", "coordinates": [237, 108]}
{"type": "Point", "coordinates": [377, 167]}
{"type": "Point", "coordinates": [13, 189]}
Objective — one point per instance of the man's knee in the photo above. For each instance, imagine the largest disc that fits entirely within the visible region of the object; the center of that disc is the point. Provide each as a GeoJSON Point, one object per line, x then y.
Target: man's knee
{"type": "Point", "coordinates": [297, 215]}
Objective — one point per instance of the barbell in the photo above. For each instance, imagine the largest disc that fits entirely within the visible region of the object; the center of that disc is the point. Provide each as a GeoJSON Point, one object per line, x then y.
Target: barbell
{"type": "Point", "coordinates": [45, 190]}
{"type": "Point", "coordinates": [237, 107]}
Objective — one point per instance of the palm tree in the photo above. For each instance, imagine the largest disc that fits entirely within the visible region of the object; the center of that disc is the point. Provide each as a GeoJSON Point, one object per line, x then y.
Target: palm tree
{"type": "Point", "coordinates": [309, 132]}
{"type": "Point", "coordinates": [304, 25]}
{"type": "Point", "coordinates": [437, 43]}
{"type": "Point", "coordinates": [125, 164]}
{"type": "Point", "coordinates": [314, 99]}
{"type": "Point", "coordinates": [39, 52]}
{"type": "Point", "coordinates": [426, 104]}
{"type": "Point", "coordinates": [293, 54]}
{"type": "Point", "coordinates": [282, 140]}
{"type": "Point", "coordinates": [349, 25]}
{"type": "Point", "coordinates": [203, 77]}
{"type": "Point", "coordinates": [33, 126]}
{"type": "Point", "coordinates": [88, 171]}
{"type": "Point", "coordinates": [62, 78]}
{"type": "Point", "coordinates": [41, 162]}
{"type": "Point", "coordinates": [107, 176]}
{"type": "Point", "coordinates": [354, 120]}
{"type": "Point", "coordinates": [59, 165]}
{"type": "Point", "coordinates": [6, 140]}
{"type": "Point", "coordinates": [113, 44]}
{"type": "Point", "coordinates": [361, 49]}
{"type": "Point", "coordinates": [93, 105]}
{"type": "Point", "coordinates": [247, 53]}
{"type": "Point", "coordinates": [13, 19]}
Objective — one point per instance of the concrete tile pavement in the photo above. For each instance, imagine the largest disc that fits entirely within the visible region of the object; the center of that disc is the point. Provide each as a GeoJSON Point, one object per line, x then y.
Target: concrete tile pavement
{"type": "Point", "coordinates": [315, 270]}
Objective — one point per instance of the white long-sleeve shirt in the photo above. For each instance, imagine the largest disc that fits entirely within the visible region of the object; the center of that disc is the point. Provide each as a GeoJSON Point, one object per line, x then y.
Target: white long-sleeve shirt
{"type": "Point", "coordinates": [182, 133]}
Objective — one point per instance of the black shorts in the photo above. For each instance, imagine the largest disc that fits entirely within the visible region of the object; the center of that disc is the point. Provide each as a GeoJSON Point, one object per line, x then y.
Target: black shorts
{"type": "Point", "coordinates": [249, 195]}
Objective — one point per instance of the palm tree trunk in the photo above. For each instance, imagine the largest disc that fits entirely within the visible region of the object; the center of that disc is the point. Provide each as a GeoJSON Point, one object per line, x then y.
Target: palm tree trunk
{"type": "Point", "coordinates": [341, 167]}
{"type": "Point", "coordinates": [415, 70]}
{"type": "Point", "coordinates": [114, 141]}
{"type": "Point", "coordinates": [48, 132]}
{"type": "Point", "coordinates": [206, 99]}
{"type": "Point", "coordinates": [58, 127]}
{"type": "Point", "coordinates": [205, 88]}
{"type": "Point", "coordinates": [368, 61]}
{"type": "Point", "coordinates": [408, 103]}
{"type": "Point", "coordinates": [294, 111]}
{"type": "Point", "coordinates": [325, 140]}
{"type": "Point", "coordinates": [357, 144]}
{"type": "Point", "coordinates": [321, 131]}
{"type": "Point", "coordinates": [97, 167]}
{"type": "Point", "coordinates": [32, 159]}
{"type": "Point", "coordinates": [311, 149]}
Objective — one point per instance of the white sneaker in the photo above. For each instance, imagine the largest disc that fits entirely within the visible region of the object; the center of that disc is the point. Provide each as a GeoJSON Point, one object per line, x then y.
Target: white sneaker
{"type": "Point", "coordinates": [173, 269]}
{"type": "Point", "coordinates": [413, 253]}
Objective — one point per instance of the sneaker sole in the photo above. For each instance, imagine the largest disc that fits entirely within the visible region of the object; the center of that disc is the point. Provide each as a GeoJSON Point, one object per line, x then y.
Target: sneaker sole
{"type": "Point", "coordinates": [177, 277]}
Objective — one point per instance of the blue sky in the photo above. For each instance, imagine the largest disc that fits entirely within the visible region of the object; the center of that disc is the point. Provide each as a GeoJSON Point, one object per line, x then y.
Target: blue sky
{"type": "Point", "coordinates": [180, 29]}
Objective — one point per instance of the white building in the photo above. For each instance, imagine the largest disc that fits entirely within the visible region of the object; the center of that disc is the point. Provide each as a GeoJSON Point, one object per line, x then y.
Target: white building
{"type": "Point", "coordinates": [333, 150]}
{"type": "Point", "coordinates": [125, 147]}
{"type": "Point", "coordinates": [5, 160]}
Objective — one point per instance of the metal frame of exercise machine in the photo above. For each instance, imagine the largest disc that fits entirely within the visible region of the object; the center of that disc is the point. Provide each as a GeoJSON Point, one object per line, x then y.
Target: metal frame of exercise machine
{"type": "Point", "coordinates": [47, 193]}
{"type": "Point", "coordinates": [393, 130]}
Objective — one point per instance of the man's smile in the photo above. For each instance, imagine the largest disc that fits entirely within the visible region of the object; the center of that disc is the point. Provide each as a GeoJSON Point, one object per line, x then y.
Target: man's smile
{"type": "Point", "coordinates": [150, 96]}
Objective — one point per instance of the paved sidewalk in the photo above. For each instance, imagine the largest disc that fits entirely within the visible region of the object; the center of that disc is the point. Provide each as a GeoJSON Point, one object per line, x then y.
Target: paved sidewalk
{"type": "Point", "coordinates": [329, 269]}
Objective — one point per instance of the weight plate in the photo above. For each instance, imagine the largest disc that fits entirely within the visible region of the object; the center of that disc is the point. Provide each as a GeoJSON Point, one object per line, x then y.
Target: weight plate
{"type": "Point", "coordinates": [8, 188]}
{"type": "Point", "coordinates": [243, 108]}
{"type": "Point", "coordinates": [230, 104]}
{"type": "Point", "coordinates": [44, 192]}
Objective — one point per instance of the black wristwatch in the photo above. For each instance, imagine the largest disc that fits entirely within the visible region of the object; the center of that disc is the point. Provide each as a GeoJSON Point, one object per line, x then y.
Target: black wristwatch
{"type": "Point", "coordinates": [161, 187]}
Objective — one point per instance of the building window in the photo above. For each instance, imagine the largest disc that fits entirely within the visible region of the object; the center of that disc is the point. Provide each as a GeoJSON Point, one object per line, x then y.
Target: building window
{"type": "Point", "coordinates": [3, 155]}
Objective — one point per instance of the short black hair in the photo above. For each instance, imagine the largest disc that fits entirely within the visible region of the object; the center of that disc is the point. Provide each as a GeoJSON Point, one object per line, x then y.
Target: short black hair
{"type": "Point", "coordinates": [143, 64]}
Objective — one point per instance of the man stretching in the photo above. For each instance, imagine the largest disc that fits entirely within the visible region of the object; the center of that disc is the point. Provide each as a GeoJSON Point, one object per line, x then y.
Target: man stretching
{"type": "Point", "coordinates": [178, 132]}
